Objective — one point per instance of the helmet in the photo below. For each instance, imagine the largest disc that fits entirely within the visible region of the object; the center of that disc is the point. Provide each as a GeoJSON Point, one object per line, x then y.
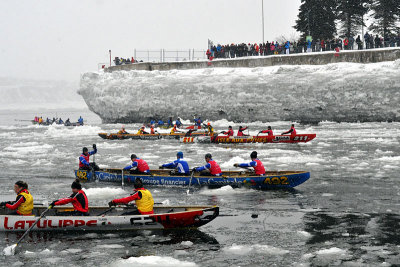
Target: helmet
{"type": "Point", "coordinates": [208, 156]}
{"type": "Point", "coordinates": [138, 183]}
{"type": "Point", "coordinates": [208, 123]}
{"type": "Point", "coordinates": [179, 154]}
{"type": "Point", "coordinates": [253, 155]}
{"type": "Point", "coordinates": [85, 149]}
{"type": "Point", "coordinates": [133, 156]}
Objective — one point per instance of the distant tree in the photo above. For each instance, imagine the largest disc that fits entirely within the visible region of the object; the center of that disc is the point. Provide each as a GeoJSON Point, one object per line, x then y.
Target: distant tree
{"type": "Point", "coordinates": [350, 15]}
{"type": "Point", "coordinates": [385, 15]}
{"type": "Point", "coordinates": [317, 18]}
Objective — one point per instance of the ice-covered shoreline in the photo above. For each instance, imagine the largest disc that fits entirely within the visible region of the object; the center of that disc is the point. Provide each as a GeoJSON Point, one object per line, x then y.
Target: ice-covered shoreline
{"type": "Point", "coordinates": [343, 92]}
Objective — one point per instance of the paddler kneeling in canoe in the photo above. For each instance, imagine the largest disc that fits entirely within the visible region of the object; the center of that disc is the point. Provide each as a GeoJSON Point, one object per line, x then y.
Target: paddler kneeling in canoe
{"type": "Point", "coordinates": [292, 131]}
{"type": "Point", "coordinates": [139, 165]}
{"type": "Point", "coordinates": [78, 199]}
{"type": "Point", "coordinates": [142, 197]}
{"type": "Point", "coordinates": [268, 131]}
{"type": "Point", "coordinates": [180, 166]}
{"type": "Point", "coordinates": [255, 163]}
{"type": "Point", "coordinates": [23, 205]}
{"type": "Point", "coordinates": [210, 169]}
{"type": "Point", "coordinates": [122, 131]}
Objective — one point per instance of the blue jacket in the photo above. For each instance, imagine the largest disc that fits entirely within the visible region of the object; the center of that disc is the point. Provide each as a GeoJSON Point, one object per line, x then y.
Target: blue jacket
{"type": "Point", "coordinates": [133, 165]}
{"type": "Point", "coordinates": [180, 164]}
{"type": "Point", "coordinates": [170, 122]}
{"type": "Point", "coordinates": [83, 160]}
{"type": "Point", "coordinates": [160, 122]}
{"type": "Point", "coordinates": [80, 120]}
{"type": "Point", "coordinates": [152, 122]}
{"type": "Point", "coordinates": [198, 121]}
{"type": "Point", "coordinates": [287, 45]}
{"type": "Point", "coordinates": [250, 164]}
{"type": "Point", "coordinates": [178, 123]}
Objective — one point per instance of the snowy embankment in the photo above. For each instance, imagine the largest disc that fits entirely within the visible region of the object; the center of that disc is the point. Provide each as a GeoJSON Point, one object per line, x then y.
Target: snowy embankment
{"type": "Point", "coordinates": [334, 92]}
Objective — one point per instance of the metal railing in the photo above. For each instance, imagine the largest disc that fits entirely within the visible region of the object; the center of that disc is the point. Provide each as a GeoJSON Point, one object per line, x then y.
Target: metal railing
{"type": "Point", "coordinates": [162, 55]}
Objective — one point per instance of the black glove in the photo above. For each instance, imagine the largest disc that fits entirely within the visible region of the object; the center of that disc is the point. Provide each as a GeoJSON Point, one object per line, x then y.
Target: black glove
{"type": "Point", "coordinates": [194, 169]}
{"type": "Point", "coordinates": [161, 167]}
{"type": "Point", "coordinates": [111, 203]}
{"type": "Point", "coordinates": [94, 146]}
{"type": "Point", "coordinates": [3, 204]}
{"type": "Point", "coordinates": [236, 165]}
{"type": "Point", "coordinates": [53, 204]}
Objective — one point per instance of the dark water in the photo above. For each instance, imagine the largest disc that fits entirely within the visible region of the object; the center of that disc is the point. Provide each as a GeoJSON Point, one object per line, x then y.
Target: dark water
{"type": "Point", "coordinates": [346, 214]}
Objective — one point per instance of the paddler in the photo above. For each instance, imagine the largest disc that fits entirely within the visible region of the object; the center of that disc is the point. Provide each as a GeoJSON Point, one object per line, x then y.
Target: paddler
{"type": "Point", "coordinates": [211, 168]}
{"type": "Point", "coordinates": [180, 165]}
{"type": "Point", "coordinates": [170, 123]}
{"type": "Point", "coordinates": [23, 204]}
{"type": "Point", "coordinates": [292, 131]}
{"type": "Point", "coordinates": [80, 120]}
{"type": "Point", "coordinates": [78, 199]}
{"type": "Point", "coordinates": [142, 131]}
{"type": "Point", "coordinates": [210, 129]}
{"type": "Point", "coordinates": [84, 163]}
{"type": "Point", "coordinates": [160, 123]}
{"type": "Point", "coordinates": [174, 130]}
{"type": "Point", "coordinates": [122, 131]}
{"type": "Point", "coordinates": [240, 131]}
{"type": "Point", "coordinates": [143, 199]}
{"type": "Point", "coordinates": [140, 165]}
{"type": "Point", "coordinates": [178, 122]}
{"type": "Point", "coordinates": [255, 163]}
{"type": "Point", "coordinates": [152, 130]}
{"type": "Point", "coordinates": [268, 131]}
{"type": "Point", "coordinates": [229, 132]}
{"type": "Point", "coordinates": [40, 120]}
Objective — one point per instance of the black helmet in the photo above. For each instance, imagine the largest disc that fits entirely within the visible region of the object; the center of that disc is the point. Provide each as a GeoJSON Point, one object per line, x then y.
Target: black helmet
{"type": "Point", "coordinates": [253, 155]}
{"type": "Point", "coordinates": [269, 127]}
{"type": "Point", "coordinates": [138, 183]}
{"type": "Point", "coordinates": [208, 156]}
{"type": "Point", "coordinates": [85, 149]}
{"type": "Point", "coordinates": [133, 156]}
{"type": "Point", "coordinates": [76, 185]}
{"type": "Point", "coordinates": [22, 184]}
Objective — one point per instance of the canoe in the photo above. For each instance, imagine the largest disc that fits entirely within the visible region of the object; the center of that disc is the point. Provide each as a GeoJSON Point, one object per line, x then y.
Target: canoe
{"type": "Point", "coordinates": [271, 180]}
{"type": "Point", "coordinates": [299, 138]}
{"type": "Point", "coordinates": [165, 217]}
{"type": "Point", "coordinates": [47, 124]}
{"type": "Point", "coordinates": [115, 136]}
{"type": "Point", "coordinates": [193, 127]}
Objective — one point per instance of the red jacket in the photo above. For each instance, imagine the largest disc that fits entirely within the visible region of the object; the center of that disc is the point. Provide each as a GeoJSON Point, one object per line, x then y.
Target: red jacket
{"type": "Point", "coordinates": [79, 201]}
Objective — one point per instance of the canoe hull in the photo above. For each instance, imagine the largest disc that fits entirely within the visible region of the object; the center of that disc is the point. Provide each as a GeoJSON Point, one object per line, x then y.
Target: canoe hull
{"type": "Point", "coordinates": [299, 138]}
{"type": "Point", "coordinates": [115, 136]}
{"type": "Point", "coordinates": [272, 180]}
{"type": "Point", "coordinates": [190, 218]}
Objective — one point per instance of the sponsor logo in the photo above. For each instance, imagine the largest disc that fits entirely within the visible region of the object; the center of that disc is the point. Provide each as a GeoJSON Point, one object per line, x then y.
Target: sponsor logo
{"type": "Point", "coordinates": [281, 138]}
{"type": "Point", "coordinates": [46, 224]}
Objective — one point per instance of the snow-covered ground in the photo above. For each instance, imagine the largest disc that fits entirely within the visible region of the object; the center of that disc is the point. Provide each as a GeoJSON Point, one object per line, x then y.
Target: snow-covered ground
{"type": "Point", "coordinates": [333, 92]}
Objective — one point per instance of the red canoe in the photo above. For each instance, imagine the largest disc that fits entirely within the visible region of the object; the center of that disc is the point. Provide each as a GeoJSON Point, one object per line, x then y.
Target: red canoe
{"type": "Point", "coordinates": [298, 138]}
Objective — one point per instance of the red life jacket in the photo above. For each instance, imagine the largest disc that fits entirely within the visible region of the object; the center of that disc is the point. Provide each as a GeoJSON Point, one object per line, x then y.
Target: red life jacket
{"type": "Point", "coordinates": [294, 131]}
{"type": "Point", "coordinates": [230, 132]}
{"type": "Point", "coordinates": [259, 169]}
{"type": "Point", "coordinates": [87, 160]}
{"type": "Point", "coordinates": [78, 205]}
{"type": "Point", "coordinates": [269, 132]}
{"type": "Point", "coordinates": [214, 169]}
{"type": "Point", "coordinates": [142, 165]}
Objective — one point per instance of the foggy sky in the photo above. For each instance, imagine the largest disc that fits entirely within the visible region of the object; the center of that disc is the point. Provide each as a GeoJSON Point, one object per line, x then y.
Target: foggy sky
{"type": "Point", "coordinates": [59, 40]}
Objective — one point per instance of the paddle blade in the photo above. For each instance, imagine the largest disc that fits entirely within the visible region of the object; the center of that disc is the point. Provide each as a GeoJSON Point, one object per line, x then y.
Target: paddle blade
{"type": "Point", "coordinates": [187, 192]}
{"type": "Point", "coordinates": [10, 250]}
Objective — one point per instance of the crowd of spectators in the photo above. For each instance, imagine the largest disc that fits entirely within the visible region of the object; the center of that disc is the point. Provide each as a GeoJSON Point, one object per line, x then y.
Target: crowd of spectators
{"type": "Point", "coordinates": [122, 61]}
{"type": "Point", "coordinates": [301, 46]}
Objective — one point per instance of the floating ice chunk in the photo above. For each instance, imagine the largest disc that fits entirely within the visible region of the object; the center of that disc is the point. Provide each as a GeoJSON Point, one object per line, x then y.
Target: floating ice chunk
{"type": "Point", "coordinates": [152, 261]}
{"type": "Point", "coordinates": [103, 193]}
{"type": "Point", "coordinates": [225, 190]}
{"type": "Point", "coordinates": [187, 243]}
{"type": "Point", "coordinates": [333, 250]}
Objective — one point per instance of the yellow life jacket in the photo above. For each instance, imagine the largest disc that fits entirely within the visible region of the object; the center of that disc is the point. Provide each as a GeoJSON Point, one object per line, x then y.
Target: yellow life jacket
{"type": "Point", "coordinates": [210, 130]}
{"type": "Point", "coordinates": [26, 207]}
{"type": "Point", "coordinates": [140, 131]}
{"type": "Point", "coordinates": [146, 203]}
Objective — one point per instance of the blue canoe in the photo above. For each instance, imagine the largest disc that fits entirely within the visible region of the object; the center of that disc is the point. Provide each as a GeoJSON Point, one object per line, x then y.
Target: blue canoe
{"type": "Point", "coordinates": [271, 180]}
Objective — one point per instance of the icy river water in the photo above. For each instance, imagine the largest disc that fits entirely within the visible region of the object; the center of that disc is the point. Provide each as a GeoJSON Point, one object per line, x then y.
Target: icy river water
{"type": "Point", "coordinates": [346, 214]}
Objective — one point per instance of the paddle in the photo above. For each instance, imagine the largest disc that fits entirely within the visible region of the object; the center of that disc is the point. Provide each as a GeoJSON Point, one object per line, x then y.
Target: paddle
{"type": "Point", "coordinates": [190, 182]}
{"type": "Point", "coordinates": [94, 163]}
{"type": "Point", "coordinates": [122, 178]}
{"type": "Point", "coordinates": [10, 250]}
